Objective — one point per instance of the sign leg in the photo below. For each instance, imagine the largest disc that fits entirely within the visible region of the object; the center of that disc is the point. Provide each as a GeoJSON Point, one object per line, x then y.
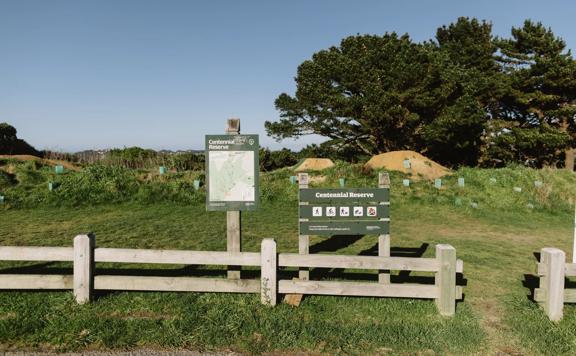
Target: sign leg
{"type": "Point", "coordinates": [234, 222]}
{"type": "Point", "coordinates": [304, 249]}
{"type": "Point", "coordinates": [384, 251]}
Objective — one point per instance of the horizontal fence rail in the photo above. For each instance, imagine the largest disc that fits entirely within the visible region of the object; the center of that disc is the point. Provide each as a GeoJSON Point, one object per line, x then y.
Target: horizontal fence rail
{"type": "Point", "coordinates": [122, 255]}
{"type": "Point", "coordinates": [17, 253]}
{"type": "Point", "coordinates": [84, 280]}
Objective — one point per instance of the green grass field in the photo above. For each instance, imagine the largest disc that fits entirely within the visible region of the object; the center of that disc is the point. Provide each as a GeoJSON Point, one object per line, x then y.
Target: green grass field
{"type": "Point", "coordinates": [496, 241]}
{"type": "Point", "coordinates": [496, 314]}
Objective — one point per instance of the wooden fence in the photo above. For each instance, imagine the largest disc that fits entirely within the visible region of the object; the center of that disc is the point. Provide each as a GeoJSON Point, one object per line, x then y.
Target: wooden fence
{"type": "Point", "coordinates": [85, 279]}
{"type": "Point", "coordinates": [552, 294]}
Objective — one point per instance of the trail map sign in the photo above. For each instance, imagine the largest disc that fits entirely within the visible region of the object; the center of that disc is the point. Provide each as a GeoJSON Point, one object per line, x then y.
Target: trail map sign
{"type": "Point", "coordinates": [353, 211]}
{"type": "Point", "coordinates": [232, 172]}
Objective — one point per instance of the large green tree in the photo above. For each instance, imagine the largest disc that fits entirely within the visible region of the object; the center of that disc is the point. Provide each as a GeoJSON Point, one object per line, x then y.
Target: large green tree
{"type": "Point", "coordinates": [463, 98]}
{"type": "Point", "coordinates": [539, 110]}
{"type": "Point", "coordinates": [473, 83]}
{"type": "Point", "coordinates": [371, 92]}
{"type": "Point", "coordinates": [383, 93]}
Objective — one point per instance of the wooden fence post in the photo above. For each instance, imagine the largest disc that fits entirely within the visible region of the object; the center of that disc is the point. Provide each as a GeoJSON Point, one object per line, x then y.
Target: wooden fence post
{"type": "Point", "coordinates": [446, 279]}
{"type": "Point", "coordinates": [83, 267]}
{"type": "Point", "coordinates": [384, 240]}
{"type": "Point", "coordinates": [268, 279]}
{"type": "Point", "coordinates": [552, 282]}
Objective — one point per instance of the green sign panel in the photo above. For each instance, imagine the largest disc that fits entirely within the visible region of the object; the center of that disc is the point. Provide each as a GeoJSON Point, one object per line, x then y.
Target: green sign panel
{"type": "Point", "coordinates": [232, 172]}
{"type": "Point", "coordinates": [353, 211]}
{"type": "Point", "coordinates": [330, 228]}
{"type": "Point", "coordinates": [345, 195]}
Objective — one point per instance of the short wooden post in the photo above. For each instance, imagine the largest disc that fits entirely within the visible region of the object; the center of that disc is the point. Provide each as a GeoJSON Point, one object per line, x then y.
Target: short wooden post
{"type": "Point", "coordinates": [269, 265]}
{"type": "Point", "coordinates": [384, 240]}
{"type": "Point", "coordinates": [574, 239]}
{"type": "Point", "coordinates": [303, 247]}
{"type": "Point", "coordinates": [83, 267]}
{"type": "Point", "coordinates": [554, 262]}
{"type": "Point", "coordinates": [446, 279]}
{"type": "Point", "coordinates": [303, 240]}
{"type": "Point", "coordinates": [233, 218]}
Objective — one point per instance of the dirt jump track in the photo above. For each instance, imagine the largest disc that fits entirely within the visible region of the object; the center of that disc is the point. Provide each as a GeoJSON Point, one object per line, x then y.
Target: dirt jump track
{"type": "Point", "coordinates": [419, 165]}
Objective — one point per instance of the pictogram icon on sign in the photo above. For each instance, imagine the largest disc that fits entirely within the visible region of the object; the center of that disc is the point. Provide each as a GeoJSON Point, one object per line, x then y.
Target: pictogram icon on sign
{"type": "Point", "coordinates": [371, 211]}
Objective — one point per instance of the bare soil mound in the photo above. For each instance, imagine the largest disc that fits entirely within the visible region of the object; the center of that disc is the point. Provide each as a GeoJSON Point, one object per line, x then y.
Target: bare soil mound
{"type": "Point", "coordinates": [50, 162]}
{"type": "Point", "coordinates": [418, 166]}
{"type": "Point", "coordinates": [314, 164]}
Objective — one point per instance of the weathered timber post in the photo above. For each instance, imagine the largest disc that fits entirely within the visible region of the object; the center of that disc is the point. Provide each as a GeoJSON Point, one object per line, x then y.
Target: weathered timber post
{"type": "Point", "coordinates": [233, 218]}
{"type": "Point", "coordinates": [446, 279]}
{"type": "Point", "coordinates": [83, 267]}
{"type": "Point", "coordinates": [268, 279]}
{"type": "Point", "coordinates": [384, 240]}
{"type": "Point", "coordinates": [574, 239]}
{"type": "Point", "coordinates": [303, 240]}
{"type": "Point", "coordinates": [552, 282]}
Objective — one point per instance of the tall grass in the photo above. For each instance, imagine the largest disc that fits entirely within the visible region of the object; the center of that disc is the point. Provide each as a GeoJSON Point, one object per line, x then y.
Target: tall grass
{"type": "Point", "coordinates": [102, 184]}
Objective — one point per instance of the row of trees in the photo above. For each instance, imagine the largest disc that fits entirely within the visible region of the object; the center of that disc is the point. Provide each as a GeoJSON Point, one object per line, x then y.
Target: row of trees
{"type": "Point", "coordinates": [464, 98]}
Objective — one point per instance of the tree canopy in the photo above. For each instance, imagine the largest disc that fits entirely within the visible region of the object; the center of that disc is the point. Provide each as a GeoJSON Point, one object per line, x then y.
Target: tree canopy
{"type": "Point", "coordinates": [11, 144]}
{"type": "Point", "coordinates": [465, 97]}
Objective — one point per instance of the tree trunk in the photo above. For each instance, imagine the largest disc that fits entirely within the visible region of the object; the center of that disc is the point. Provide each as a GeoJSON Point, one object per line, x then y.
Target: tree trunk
{"type": "Point", "coordinates": [569, 159]}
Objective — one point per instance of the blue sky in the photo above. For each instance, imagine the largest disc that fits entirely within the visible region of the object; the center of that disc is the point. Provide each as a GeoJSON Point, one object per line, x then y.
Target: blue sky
{"type": "Point", "coordinates": [81, 74]}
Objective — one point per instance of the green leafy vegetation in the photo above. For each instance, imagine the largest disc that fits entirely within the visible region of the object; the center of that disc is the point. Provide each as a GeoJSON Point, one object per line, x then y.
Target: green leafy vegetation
{"type": "Point", "coordinates": [464, 97]}
{"type": "Point", "coordinates": [550, 190]}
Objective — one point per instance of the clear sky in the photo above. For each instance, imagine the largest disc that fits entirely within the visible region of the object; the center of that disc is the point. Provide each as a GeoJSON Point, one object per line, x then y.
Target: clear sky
{"type": "Point", "coordinates": [81, 74]}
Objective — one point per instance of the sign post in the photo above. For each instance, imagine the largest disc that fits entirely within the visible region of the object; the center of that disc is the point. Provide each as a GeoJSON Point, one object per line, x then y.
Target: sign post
{"type": "Point", "coordinates": [384, 239]}
{"type": "Point", "coordinates": [574, 241]}
{"type": "Point", "coordinates": [303, 240]}
{"type": "Point", "coordinates": [232, 170]}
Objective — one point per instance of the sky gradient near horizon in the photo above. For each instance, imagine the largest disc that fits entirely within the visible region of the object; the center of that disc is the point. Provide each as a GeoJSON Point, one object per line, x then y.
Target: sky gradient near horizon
{"type": "Point", "coordinates": [78, 75]}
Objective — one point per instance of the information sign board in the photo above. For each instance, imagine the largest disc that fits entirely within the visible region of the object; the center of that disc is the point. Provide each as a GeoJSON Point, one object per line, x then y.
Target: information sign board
{"type": "Point", "coordinates": [352, 211]}
{"type": "Point", "coordinates": [232, 172]}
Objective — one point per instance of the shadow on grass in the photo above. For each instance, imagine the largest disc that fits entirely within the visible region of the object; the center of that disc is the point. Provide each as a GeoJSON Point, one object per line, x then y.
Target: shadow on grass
{"type": "Point", "coordinates": [334, 243]}
{"type": "Point", "coordinates": [531, 282]}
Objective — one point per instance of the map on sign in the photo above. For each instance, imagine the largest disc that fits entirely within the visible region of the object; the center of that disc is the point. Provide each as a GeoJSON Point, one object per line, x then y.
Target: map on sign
{"type": "Point", "coordinates": [232, 172]}
{"type": "Point", "coordinates": [232, 176]}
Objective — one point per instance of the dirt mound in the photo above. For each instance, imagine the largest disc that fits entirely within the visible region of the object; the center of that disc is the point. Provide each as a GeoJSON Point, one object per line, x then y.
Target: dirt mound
{"type": "Point", "coordinates": [418, 165]}
{"type": "Point", "coordinates": [314, 164]}
{"type": "Point", "coordinates": [49, 162]}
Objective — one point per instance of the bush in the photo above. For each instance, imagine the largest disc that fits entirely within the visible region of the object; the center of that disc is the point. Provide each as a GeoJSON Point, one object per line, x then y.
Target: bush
{"type": "Point", "coordinates": [97, 184]}
{"type": "Point", "coordinates": [6, 180]}
{"type": "Point", "coordinates": [272, 160]}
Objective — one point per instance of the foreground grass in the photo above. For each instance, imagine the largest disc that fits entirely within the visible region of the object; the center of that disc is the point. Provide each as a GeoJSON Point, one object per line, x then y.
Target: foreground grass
{"type": "Point", "coordinates": [496, 316]}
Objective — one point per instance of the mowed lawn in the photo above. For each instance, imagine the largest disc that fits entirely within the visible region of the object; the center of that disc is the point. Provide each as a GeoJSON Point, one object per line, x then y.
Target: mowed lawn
{"type": "Point", "coordinates": [497, 248]}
